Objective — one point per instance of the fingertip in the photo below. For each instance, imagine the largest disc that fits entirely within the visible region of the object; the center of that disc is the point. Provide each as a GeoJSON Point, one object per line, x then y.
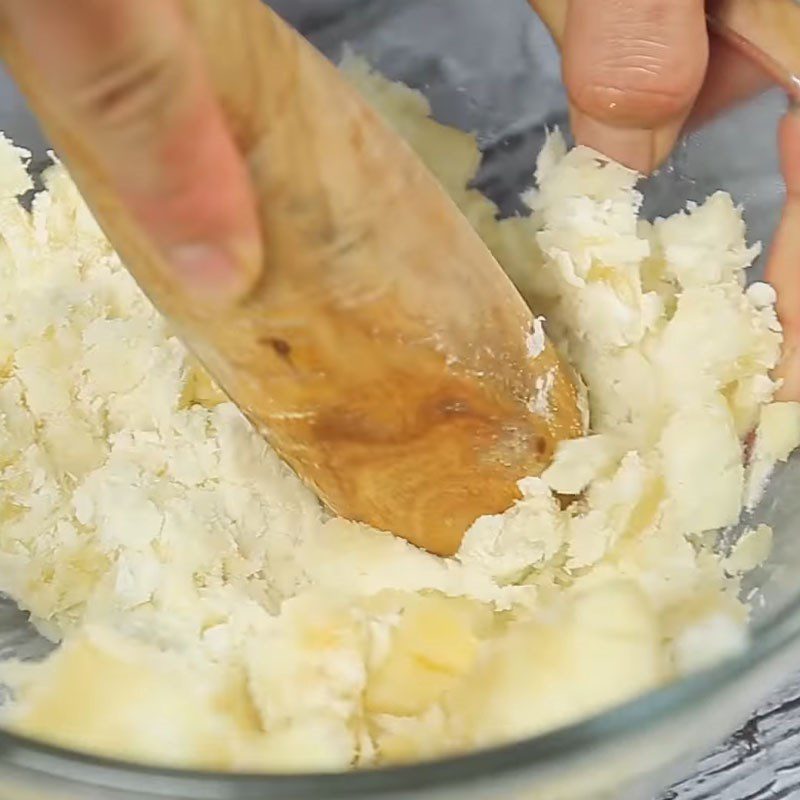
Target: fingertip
{"type": "Point", "coordinates": [216, 272]}
{"type": "Point", "coordinates": [631, 147]}
{"type": "Point", "coordinates": [632, 69]}
{"type": "Point", "coordinates": [635, 63]}
{"type": "Point", "coordinates": [640, 149]}
{"type": "Point", "coordinates": [133, 85]}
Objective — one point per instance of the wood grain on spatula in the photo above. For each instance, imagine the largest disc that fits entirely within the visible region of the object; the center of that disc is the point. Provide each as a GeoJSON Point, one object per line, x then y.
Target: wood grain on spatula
{"type": "Point", "coordinates": [383, 353]}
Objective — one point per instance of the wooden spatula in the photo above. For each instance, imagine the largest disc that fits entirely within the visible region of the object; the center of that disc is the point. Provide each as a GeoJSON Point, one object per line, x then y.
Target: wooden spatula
{"type": "Point", "coordinates": [383, 353]}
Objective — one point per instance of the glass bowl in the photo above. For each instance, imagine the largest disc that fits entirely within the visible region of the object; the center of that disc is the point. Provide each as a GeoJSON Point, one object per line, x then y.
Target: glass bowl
{"type": "Point", "coordinates": [492, 69]}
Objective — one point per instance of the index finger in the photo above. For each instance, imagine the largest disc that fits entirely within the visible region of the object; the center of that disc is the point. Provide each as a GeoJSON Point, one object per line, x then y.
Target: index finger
{"type": "Point", "coordinates": [633, 69]}
{"type": "Point", "coordinates": [128, 77]}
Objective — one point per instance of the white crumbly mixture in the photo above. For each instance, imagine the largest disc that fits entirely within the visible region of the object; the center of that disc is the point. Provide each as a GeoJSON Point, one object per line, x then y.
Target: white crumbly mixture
{"type": "Point", "coordinates": [212, 614]}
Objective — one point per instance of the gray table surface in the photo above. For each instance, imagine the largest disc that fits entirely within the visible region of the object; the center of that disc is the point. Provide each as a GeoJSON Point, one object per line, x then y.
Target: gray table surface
{"type": "Point", "coordinates": [762, 760]}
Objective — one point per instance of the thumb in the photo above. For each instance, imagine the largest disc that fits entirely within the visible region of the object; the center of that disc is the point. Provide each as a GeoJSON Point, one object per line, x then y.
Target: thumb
{"type": "Point", "coordinates": [633, 69]}
{"type": "Point", "coordinates": [132, 80]}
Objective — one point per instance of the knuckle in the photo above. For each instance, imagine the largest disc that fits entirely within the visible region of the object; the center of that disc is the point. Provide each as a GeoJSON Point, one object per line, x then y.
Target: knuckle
{"type": "Point", "coordinates": [133, 92]}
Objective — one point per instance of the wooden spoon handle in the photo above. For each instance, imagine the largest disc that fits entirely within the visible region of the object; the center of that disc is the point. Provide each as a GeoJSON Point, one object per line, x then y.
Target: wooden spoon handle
{"type": "Point", "coordinates": [383, 352]}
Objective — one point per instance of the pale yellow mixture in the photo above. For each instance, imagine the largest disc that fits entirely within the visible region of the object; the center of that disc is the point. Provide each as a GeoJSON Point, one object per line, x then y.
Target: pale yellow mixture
{"type": "Point", "coordinates": [212, 614]}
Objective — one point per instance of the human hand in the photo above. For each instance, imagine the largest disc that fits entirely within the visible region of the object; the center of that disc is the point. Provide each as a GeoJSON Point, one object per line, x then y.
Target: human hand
{"type": "Point", "coordinates": [640, 72]}
{"type": "Point", "coordinates": [783, 267]}
{"type": "Point", "coordinates": [129, 73]}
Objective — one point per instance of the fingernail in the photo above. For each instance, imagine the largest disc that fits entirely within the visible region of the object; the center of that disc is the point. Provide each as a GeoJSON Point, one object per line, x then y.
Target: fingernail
{"type": "Point", "coordinates": [633, 147]}
{"type": "Point", "coordinates": [214, 272]}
